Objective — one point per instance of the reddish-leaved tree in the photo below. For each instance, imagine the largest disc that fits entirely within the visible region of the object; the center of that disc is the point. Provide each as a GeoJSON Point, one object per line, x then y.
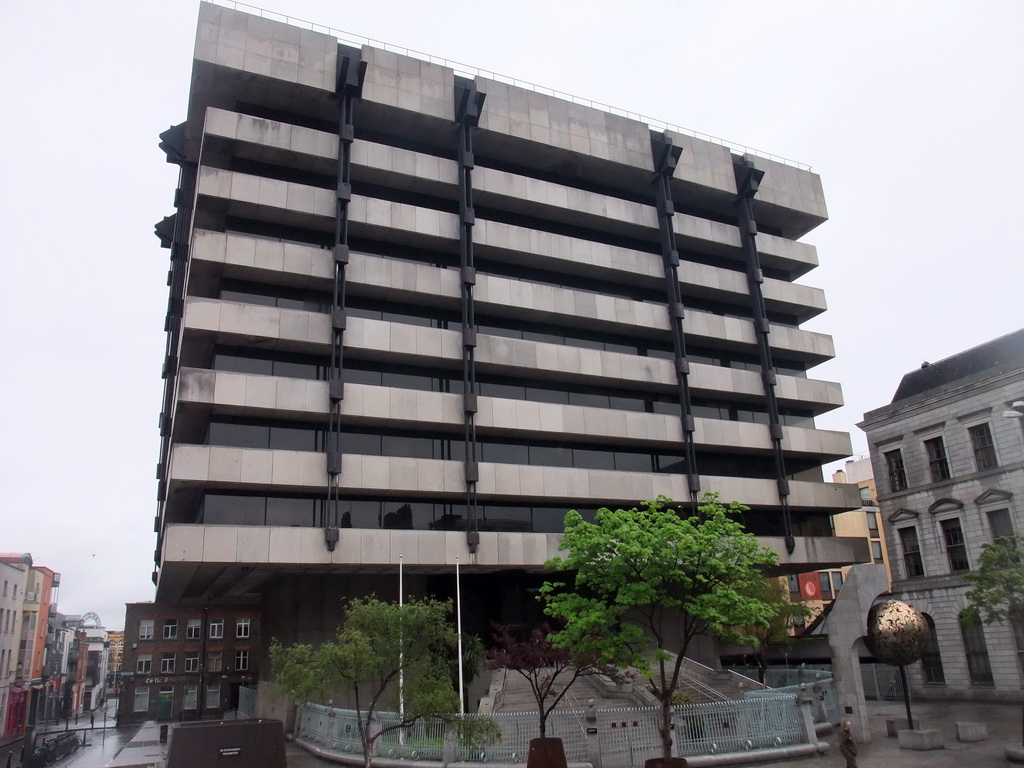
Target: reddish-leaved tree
{"type": "Point", "coordinates": [549, 670]}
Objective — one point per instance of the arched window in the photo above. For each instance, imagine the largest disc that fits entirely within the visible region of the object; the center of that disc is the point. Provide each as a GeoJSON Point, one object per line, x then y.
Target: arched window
{"type": "Point", "coordinates": [931, 661]}
{"type": "Point", "coordinates": [976, 650]}
{"type": "Point", "coordinates": [1017, 625]}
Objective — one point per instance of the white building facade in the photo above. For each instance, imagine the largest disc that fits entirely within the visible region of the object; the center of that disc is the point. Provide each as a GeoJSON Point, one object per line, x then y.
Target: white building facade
{"type": "Point", "coordinates": [12, 593]}
{"type": "Point", "coordinates": [948, 457]}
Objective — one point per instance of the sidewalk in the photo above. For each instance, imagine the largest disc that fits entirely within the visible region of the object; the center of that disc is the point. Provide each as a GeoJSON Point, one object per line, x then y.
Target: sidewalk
{"type": "Point", "coordinates": [10, 749]}
{"type": "Point", "coordinates": [143, 750]}
{"type": "Point", "coordinates": [1003, 722]}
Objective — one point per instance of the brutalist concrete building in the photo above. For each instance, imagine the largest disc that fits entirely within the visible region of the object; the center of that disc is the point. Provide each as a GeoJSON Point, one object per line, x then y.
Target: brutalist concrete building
{"type": "Point", "coordinates": [416, 314]}
{"type": "Point", "coordinates": [948, 454]}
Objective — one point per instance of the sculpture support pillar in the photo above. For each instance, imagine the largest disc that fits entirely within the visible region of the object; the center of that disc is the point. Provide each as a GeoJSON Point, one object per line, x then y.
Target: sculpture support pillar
{"type": "Point", "coordinates": [845, 627]}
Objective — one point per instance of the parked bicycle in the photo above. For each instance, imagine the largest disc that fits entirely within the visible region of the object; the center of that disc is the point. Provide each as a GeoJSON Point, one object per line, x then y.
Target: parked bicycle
{"type": "Point", "coordinates": [52, 750]}
{"type": "Point", "coordinates": [66, 744]}
{"type": "Point", "coordinates": [44, 754]}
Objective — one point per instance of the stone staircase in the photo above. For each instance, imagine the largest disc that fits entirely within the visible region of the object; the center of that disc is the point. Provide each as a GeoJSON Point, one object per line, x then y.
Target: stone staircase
{"type": "Point", "coordinates": [516, 695]}
{"type": "Point", "coordinates": [510, 692]}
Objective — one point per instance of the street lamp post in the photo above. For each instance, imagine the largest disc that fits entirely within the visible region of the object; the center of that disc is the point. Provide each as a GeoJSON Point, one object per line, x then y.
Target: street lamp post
{"type": "Point", "coordinates": [1015, 411]}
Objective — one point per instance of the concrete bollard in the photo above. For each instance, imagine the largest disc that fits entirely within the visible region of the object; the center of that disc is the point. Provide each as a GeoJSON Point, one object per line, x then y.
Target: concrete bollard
{"type": "Point", "coordinates": [893, 725]}
{"type": "Point", "coordinates": [967, 731]}
{"type": "Point", "coordinates": [922, 741]}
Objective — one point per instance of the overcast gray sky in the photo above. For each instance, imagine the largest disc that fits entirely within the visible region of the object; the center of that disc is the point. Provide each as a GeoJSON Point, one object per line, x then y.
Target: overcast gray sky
{"type": "Point", "coordinates": [910, 112]}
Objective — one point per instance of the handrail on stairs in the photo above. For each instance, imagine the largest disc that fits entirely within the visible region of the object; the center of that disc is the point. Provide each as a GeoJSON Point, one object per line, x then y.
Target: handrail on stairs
{"type": "Point", "coordinates": [694, 681]}
{"type": "Point", "coordinates": [575, 707]}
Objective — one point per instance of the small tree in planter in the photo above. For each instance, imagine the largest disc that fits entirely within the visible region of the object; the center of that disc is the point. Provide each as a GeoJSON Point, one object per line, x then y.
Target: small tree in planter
{"type": "Point", "coordinates": [550, 672]}
{"type": "Point", "coordinates": [378, 643]}
{"type": "Point", "coordinates": [651, 579]}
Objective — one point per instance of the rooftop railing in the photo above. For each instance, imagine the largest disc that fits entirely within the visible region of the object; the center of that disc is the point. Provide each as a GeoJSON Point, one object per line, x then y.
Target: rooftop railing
{"type": "Point", "coordinates": [467, 70]}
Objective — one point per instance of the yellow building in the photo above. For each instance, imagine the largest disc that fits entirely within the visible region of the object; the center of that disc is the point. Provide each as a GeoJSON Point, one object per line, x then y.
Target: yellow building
{"type": "Point", "coordinates": [115, 649]}
{"type": "Point", "coordinates": [819, 588]}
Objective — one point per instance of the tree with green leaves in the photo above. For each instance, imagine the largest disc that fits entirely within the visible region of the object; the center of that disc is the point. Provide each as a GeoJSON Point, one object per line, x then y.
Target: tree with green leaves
{"type": "Point", "coordinates": [378, 644]}
{"type": "Point", "coordinates": [774, 592]}
{"type": "Point", "coordinates": [651, 579]}
{"type": "Point", "coordinates": [997, 584]}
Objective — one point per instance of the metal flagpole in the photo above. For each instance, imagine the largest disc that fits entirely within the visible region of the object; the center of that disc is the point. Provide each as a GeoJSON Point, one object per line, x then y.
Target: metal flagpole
{"type": "Point", "coordinates": [458, 629]}
{"type": "Point", "coordinates": [401, 654]}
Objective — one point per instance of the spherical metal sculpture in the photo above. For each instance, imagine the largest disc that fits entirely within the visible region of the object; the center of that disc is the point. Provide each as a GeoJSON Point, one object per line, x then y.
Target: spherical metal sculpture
{"type": "Point", "coordinates": [897, 632]}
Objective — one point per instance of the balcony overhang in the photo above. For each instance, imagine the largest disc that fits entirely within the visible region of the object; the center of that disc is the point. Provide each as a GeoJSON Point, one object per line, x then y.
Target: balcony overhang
{"type": "Point", "coordinates": [232, 562]}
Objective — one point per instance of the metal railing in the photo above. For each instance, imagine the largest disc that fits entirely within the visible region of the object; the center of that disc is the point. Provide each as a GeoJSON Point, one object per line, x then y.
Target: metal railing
{"type": "Point", "coordinates": [470, 71]}
{"type": "Point", "coordinates": [424, 740]}
{"type": "Point", "coordinates": [629, 736]}
{"type": "Point", "coordinates": [624, 737]}
{"type": "Point", "coordinates": [825, 707]}
{"type": "Point", "coordinates": [334, 729]}
{"type": "Point", "coordinates": [831, 703]}
{"type": "Point", "coordinates": [781, 677]}
{"type": "Point", "coordinates": [738, 725]}
{"type": "Point", "coordinates": [518, 728]}
{"type": "Point", "coordinates": [881, 681]}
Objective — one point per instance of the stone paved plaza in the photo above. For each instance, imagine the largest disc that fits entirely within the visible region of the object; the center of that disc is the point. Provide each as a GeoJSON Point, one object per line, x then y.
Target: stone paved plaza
{"type": "Point", "coordinates": [1003, 722]}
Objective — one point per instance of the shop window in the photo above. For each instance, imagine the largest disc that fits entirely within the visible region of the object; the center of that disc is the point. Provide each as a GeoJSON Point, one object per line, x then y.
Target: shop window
{"type": "Point", "coordinates": [141, 703]}
{"type": "Point", "coordinates": [213, 696]}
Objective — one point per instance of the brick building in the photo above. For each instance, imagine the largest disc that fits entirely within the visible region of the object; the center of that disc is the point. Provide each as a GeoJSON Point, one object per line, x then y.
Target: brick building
{"type": "Point", "coordinates": [184, 662]}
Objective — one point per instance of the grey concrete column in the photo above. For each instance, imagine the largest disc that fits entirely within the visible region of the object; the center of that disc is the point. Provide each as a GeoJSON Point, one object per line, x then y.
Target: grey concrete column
{"type": "Point", "coordinates": [803, 704]}
{"type": "Point", "coordinates": [846, 626]}
{"type": "Point", "coordinates": [450, 751]}
{"type": "Point", "coordinates": [819, 701]}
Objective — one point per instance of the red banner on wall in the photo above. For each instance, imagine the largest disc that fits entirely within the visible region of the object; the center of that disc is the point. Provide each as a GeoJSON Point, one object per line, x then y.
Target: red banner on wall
{"type": "Point", "coordinates": [810, 589]}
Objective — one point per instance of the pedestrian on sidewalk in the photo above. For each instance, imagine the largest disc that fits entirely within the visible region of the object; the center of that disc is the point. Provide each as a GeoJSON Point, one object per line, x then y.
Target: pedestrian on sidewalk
{"type": "Point", "coordinates": [847, 746]}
